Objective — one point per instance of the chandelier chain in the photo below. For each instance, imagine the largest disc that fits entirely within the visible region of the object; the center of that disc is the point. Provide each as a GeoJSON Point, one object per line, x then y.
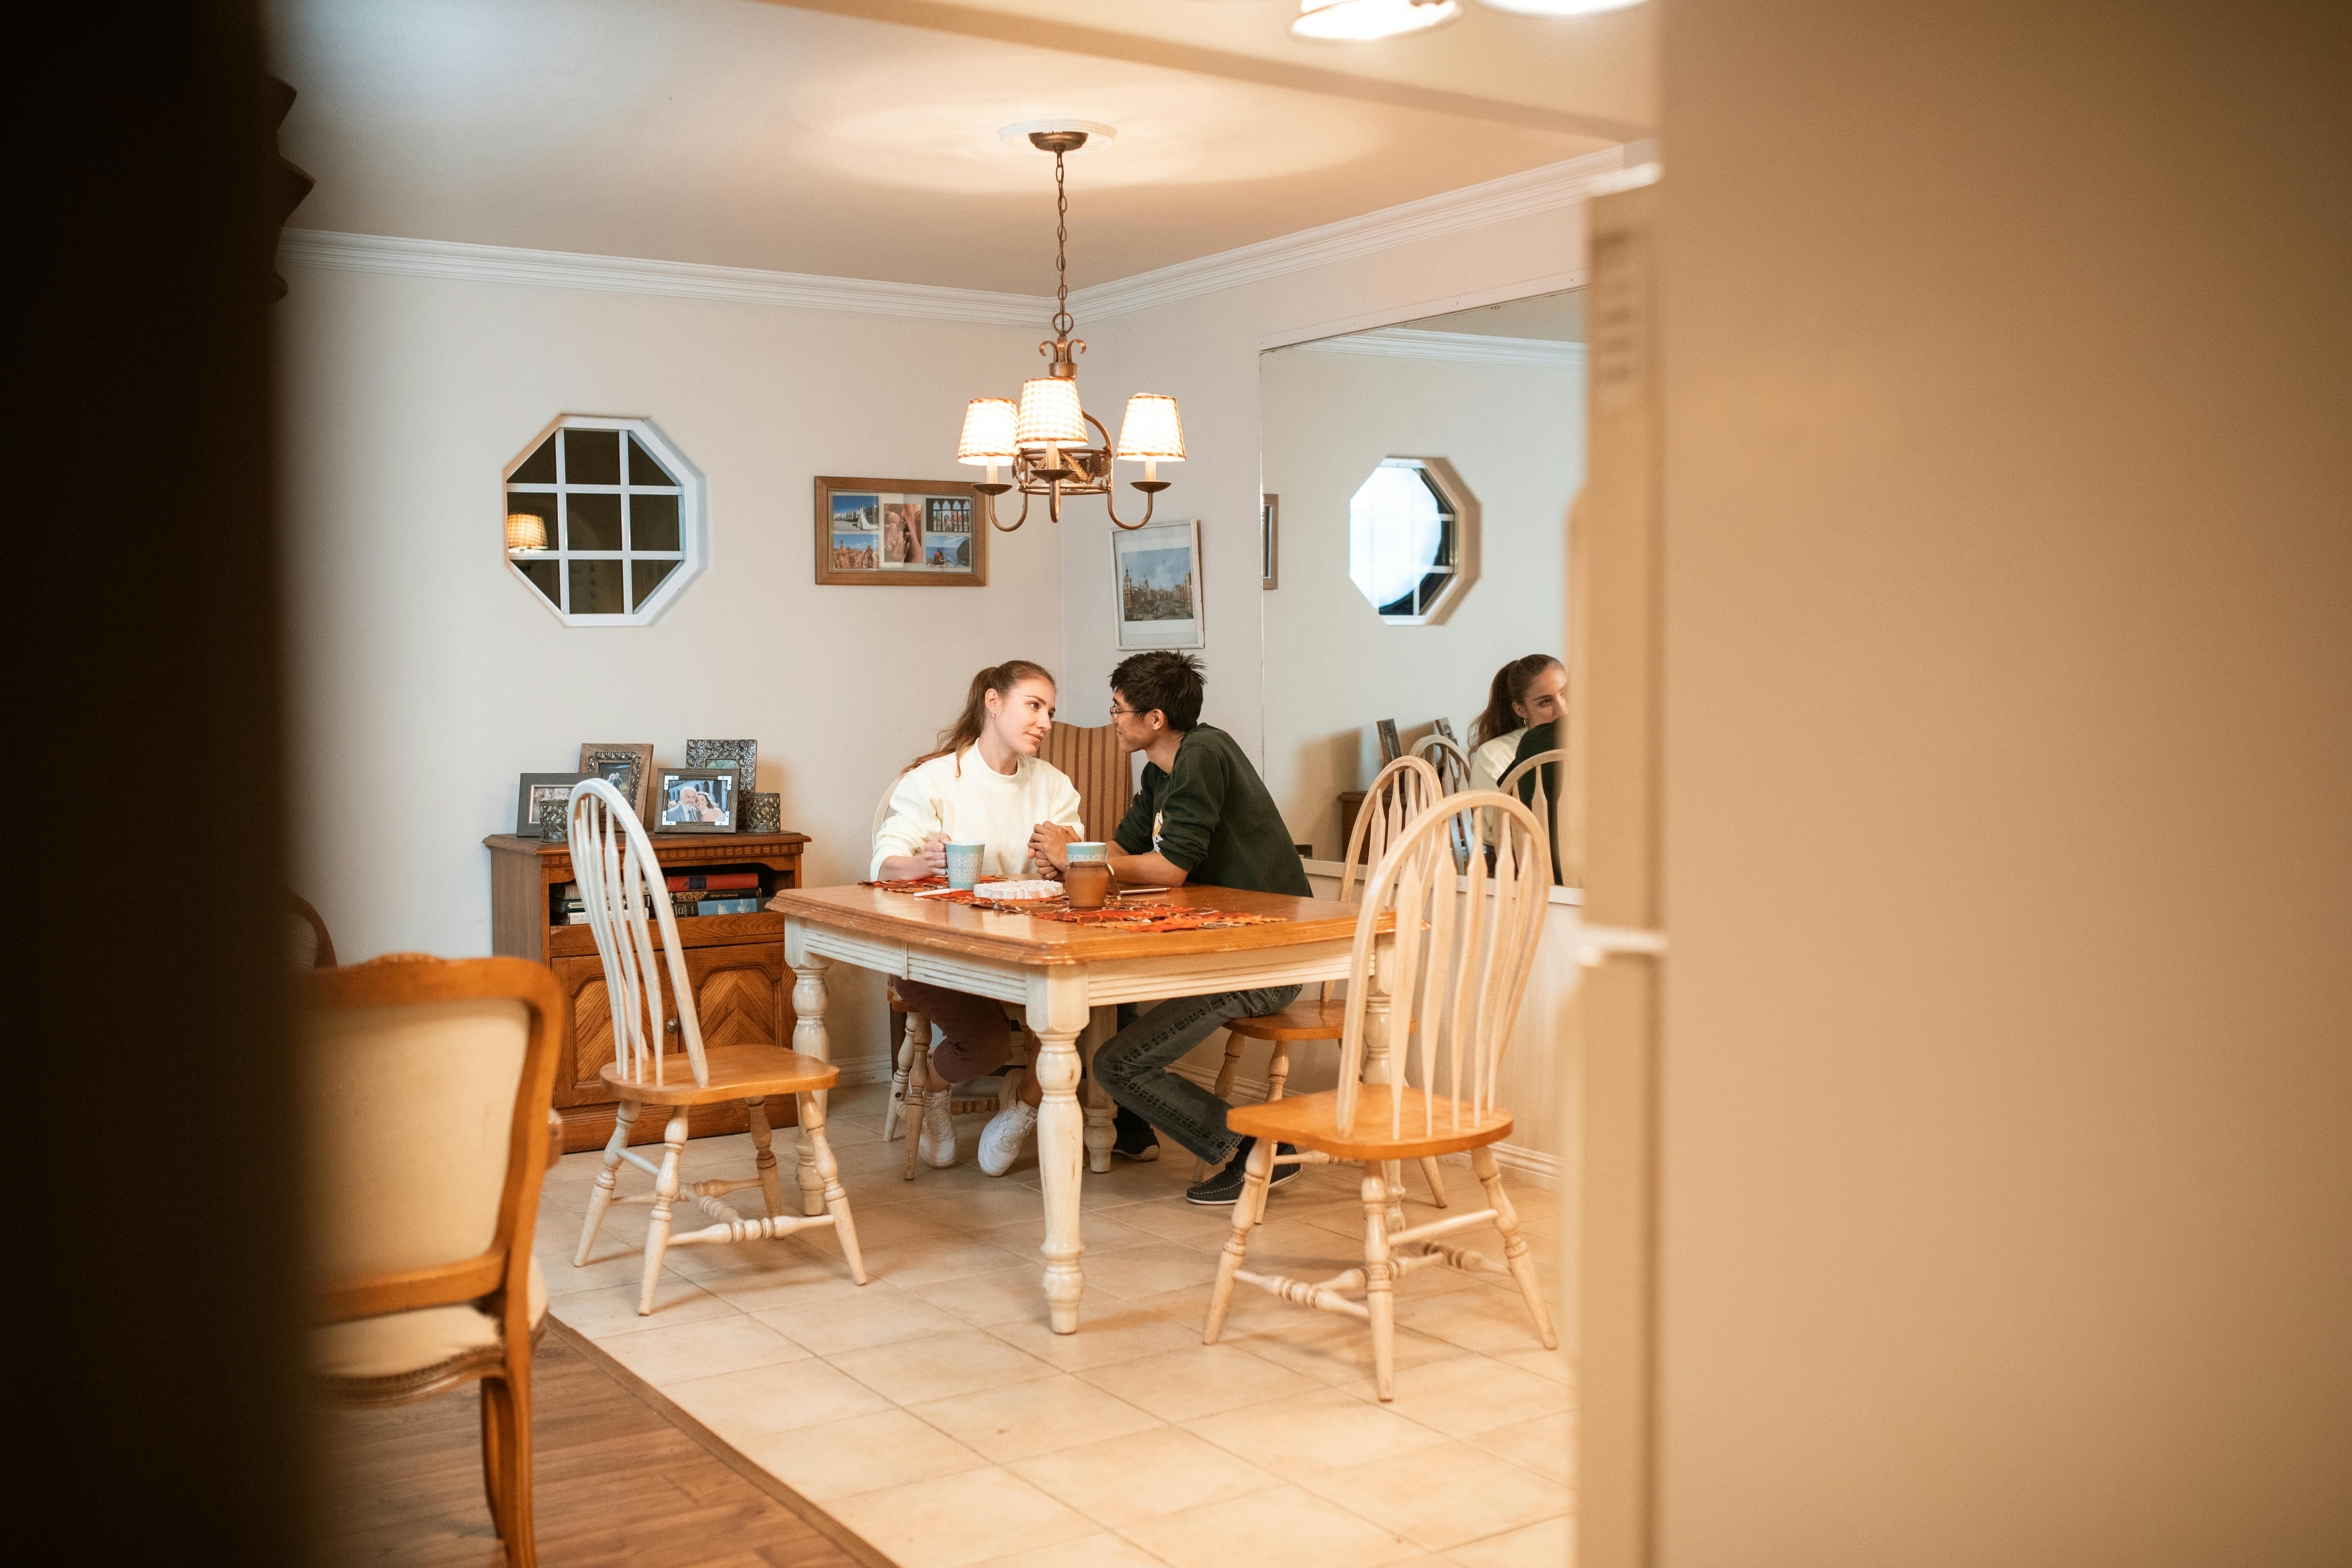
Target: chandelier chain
{"type": "Point", "coordinates": [1062, 319]}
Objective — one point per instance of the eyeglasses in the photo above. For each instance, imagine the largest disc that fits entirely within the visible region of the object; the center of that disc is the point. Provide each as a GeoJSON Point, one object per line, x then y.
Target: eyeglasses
{"type": "Point", "coordinates": [1118, 713]}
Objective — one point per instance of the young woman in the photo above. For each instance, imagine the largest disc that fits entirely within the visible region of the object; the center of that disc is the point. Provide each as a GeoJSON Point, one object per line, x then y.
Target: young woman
{"type": "Point", "coordinates": [1526, 692]}
{"type": "Point", "coordinates": [984, 784]}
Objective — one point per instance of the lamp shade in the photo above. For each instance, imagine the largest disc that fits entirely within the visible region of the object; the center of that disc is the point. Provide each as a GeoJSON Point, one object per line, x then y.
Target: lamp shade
{"type": "Point", "coordinates": [526, 531]}
{"type": "Point", "coordinates": [987, 432]}
{"type": "Point", "coordinates": [1050, 416]}
{"type": "Point", "coordinates": [1151, 432]}
{"type": "Point", "coordinates": [1359, 19]}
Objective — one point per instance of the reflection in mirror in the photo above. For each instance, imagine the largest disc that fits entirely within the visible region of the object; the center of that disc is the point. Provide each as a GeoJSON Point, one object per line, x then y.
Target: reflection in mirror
{"type": "Point", "coordinates": [1425, 471]}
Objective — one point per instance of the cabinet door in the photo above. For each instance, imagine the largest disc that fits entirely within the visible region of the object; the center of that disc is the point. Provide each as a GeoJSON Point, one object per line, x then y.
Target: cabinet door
{"type": "Point", "coordinates": [582, 981]}
{"type": "Point", "coordinates": [739, 992]}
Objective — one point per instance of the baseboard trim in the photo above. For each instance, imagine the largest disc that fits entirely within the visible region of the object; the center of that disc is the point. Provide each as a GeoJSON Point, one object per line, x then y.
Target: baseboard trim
{"type": "Point", "coordinates": [875, 1069]}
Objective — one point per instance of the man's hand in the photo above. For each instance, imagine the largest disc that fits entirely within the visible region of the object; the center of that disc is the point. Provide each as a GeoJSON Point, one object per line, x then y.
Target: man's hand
{"type": "Point", "coordinates": [1048, 846]}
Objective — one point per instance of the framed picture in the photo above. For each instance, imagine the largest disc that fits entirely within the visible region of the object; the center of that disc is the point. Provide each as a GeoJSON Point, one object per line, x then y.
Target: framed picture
{"type": "Point", "coordinates": [1269, 542]}
{"type": "Point", "coordinates": [901, 532]}
{"type": "Point", "coordinates": [1445, 728]}
{"type": "Point", "coordinates": [1155, 572]}
{"type": "Point", "coordinates": [628, 767]}
{"type": "Point", "coordinates": [537, 787]}
{"type": "Point", "coordinates": [696, 800]}
{"type": "Point", "coordinates": [1391, 747]}
{"type": "Point", "coordinates": [743, 756]}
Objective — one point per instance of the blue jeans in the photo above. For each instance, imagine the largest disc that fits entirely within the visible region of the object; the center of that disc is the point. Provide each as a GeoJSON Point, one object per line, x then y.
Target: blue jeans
{"type": "Point", "coordinates": [1132, 1065]}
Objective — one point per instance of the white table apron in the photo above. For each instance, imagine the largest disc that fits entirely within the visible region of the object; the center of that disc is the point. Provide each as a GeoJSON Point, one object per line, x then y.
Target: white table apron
{"type": "Point", "coordinates": [1071, 1010]}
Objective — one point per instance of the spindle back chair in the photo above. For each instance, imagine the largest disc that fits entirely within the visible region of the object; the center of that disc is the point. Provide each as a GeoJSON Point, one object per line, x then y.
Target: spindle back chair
{"type": "Point", "coordinates": [1539, 773]}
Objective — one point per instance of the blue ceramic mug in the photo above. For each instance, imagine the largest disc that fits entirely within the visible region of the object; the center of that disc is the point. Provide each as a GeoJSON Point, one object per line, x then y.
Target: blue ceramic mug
{"type": "Point", "coordinates": [1086, 852]}
{"type": "Point", "coordinates": [963, 863]}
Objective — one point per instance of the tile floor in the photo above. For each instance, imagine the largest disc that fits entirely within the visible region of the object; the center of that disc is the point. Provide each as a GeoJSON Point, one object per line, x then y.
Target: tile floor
{"type": "Point", "coordinates": [933, 1412]}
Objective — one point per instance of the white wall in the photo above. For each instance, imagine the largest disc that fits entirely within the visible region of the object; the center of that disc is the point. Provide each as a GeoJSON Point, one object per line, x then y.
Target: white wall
{"type": "Point", "coordinates": [1205, 352]}
{"type": "Point", "coordinates": [2005, 1082]}
{"type": "Point", "coordinates": [424, 678]}
{"type": "Point", "coordinates": [1514, 436]}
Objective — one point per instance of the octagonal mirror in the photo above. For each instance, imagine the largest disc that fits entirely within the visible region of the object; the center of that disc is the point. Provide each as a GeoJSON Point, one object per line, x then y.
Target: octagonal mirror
{"type": "Point", "coordinates": [1405, 546]}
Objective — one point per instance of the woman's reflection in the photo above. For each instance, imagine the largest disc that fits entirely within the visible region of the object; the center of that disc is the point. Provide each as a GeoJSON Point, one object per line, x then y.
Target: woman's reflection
{"type": "Point", "coordinates": [1526, 692]}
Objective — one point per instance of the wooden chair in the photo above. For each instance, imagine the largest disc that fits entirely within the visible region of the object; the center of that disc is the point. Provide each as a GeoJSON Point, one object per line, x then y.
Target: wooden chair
{"type": "Point", "coordinates": [1447, 989]}
{"type": "Point", "coordinates": [312, 947]}
{"type": "Point", "coordinates": [428, 1110]}
{"type": "Point", "coordinates": [1401, 792]}
{"type": "Point", "coordinates": [1538, 772]}
{"type": "Point", "coordinates": [619, 879]}
{"type": "Point", "coordinates": [1444, 753]}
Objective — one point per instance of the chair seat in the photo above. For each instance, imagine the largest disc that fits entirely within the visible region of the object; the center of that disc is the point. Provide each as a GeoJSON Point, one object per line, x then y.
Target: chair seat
{"type": "Point", "coordinates": [736, 1072]}
{"type": "Point", "coordinates": [403, 1356]}
{"type": "Point", "coordinates": [1299, 1021]}
{"type": "Point", "coordinates": [1312, 1121]}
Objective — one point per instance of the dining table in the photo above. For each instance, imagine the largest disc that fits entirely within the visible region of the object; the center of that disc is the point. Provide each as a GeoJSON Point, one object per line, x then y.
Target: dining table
{"type": "Point", "coordinates": [1071, 980]}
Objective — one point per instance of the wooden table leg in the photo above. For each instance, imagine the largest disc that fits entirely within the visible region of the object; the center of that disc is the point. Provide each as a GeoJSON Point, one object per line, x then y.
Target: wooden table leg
{"type": "Point", "coordinates": [1102, 1023]}
{"type": "Point", "coordinates": [810, 1039]}
{"type": "Point", "coordinates": [1058, 1013]}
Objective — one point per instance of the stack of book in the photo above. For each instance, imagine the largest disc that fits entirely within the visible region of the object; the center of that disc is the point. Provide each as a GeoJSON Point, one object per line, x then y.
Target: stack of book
{"type": "Point", "coordinates": [716, 893]}
{"type": "Point", "coordinates": [696, 893]}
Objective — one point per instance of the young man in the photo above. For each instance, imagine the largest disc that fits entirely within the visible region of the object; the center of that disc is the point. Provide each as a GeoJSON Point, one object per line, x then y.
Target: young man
{"type": "Point", "coordinates": [1203, 815]}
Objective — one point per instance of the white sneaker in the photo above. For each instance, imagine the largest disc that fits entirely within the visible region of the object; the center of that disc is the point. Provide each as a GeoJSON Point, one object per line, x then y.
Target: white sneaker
{"type": "Point", "coordinates": [937, 1142]}
{"type": "Point", "coordinates": [1001, 1140]}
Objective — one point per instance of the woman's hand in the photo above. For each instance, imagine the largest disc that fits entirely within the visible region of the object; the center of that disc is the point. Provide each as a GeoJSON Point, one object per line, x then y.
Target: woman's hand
{"type": "Point", "coordinates": [1047, 843]}
{"type": "Point", "coordinates": [935, 855]}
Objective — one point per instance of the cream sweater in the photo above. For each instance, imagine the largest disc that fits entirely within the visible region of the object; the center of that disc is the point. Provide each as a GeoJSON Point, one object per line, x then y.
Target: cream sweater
{"type": "Point", "coordinates": [1490, 762]}
{"type": "Point", "coordinates": [967, 800]}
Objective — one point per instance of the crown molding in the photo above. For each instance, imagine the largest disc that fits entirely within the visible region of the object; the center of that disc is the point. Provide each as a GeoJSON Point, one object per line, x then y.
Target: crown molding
{"type": "Point", "coordinates": [326, 250]}
{"type": "Point", "coordinates": [1468, 348]}
{"type": "Point", "coordinates": [1546, 189]}
{"type": "Point", "coordinates": [1553, 186]}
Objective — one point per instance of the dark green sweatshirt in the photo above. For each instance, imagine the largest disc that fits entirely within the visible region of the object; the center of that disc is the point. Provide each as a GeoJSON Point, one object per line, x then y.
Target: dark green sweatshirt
{"type": "Point", "coordinates": [1210, 814]}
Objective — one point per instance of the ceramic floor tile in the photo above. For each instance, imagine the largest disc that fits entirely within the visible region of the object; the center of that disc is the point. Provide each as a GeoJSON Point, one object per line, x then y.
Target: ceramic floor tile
{"type": "Point", "coordinates": [1177, 1221]}
{"type": "Point", "coordinates": [601, 1314]}
{"type": "Point", "coordinates": [1545, 1545]}
{"type": "Point", "coordinates": [940, 1366]}
{"type": "Point", "coordinates": [1288, 1525]}
{"type": "Point", "coordinates": [914, 1264]}
{"type": "Point", "coordinates": [1316, 1433]}
{"type": "Point", "coordinates": [1488, 1320]}
{"type": "Point", "coordinates": [1022, 1420]}
{"type": "Point", "coordinates": [1544, 1445]}
{"type": "Point", "coordinates": [1332, 1350]}
{"type": "Point", "coordinates": [1468, 1394]}
{"type": "Point", "coordinates": [607, 1265]}
{"type": "Point", "coordinates": [1086, 1551]}
{"type": "Point", "coordinates": [837, 1322]}
{"type": "Point", "coordinates": [1442, 1497]}
{"type": "Point", "coordinates": [1109, 1330]}
{"type": "Point", "coordinates": [1161, 1470]}
{"type": "Point", "coordinates": [1103, 1232]}
{"type": "Point", "coordinates": [894, 1224]}
{"type": "Point", "coordinates": [1148, 1269]}
{"type": "Point", "coordinates": [1015, 1294]}
{"type": "Point", "coordinates": [1003, 1205]}
{"type": "Point", "coordinates": [1199, 1381]}
{"type": "Point", "coordinates": [743, 1406]}
{"type": "Point", "coordinates": [781, 1278]}
{"type": "Point", "coordinates": [1552, 1366]}
{"type": "Point", "coordinates": [836, 1459]}
{"type": "Point", "coordinates": [679, 1353]}
{"type": "Point", "coordinates": [952, 1521]}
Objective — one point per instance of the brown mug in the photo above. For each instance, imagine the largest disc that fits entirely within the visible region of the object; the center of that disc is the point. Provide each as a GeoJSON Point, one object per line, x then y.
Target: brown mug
{"type": "Point", "coordinates": [1086, 884]}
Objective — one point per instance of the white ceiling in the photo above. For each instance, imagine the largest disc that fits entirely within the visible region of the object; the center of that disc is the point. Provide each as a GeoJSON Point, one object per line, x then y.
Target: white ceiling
{"type": "Point", "coordinates": [858, 137]}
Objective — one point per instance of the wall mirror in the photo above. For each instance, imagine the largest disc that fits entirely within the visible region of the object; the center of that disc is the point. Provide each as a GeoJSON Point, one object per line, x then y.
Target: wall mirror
{"type": "Point", "coordinates": [1425, 471]}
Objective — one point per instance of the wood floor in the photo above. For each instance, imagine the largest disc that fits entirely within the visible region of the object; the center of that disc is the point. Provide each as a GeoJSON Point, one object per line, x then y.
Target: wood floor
{"type": "Point", "coordinates": [616, 1483]}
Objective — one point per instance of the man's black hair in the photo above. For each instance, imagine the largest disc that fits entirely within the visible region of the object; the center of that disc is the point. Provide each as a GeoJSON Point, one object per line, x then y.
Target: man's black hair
{"type": "Point", "coordinates": [1164, 679]}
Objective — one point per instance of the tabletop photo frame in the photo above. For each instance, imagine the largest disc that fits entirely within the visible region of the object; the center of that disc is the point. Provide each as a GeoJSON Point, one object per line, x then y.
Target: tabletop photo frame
{"type": "Point", "coordinates": [696, 800]}
{"type": "Point", "coordinates": [535, 788]}
{"type": "Point", "coordinates": [626, 766]}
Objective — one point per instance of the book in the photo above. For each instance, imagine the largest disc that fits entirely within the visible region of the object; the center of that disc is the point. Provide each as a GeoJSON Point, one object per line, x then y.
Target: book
{"type": "Point", "coordinates": [698, 881]}
{"type": "Point", "coordinates": [739, 906]}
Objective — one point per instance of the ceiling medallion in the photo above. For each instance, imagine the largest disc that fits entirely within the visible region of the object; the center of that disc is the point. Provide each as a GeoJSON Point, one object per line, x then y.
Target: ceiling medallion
{"type": "Point", "coordinates": [1043, 438]}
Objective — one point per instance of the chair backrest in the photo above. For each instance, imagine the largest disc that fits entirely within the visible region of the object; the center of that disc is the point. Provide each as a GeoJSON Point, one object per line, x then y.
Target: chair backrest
{"type": "Point", "coordinates": [620, 880]}
{"type": "Point", "coordinates": [1463, 946]}
{"type": "Point", "coordinates": [1400, 792]}
{"type": "Point", "coordinates": [1539, 775]}
{"type": "Point", "coordinates": [426, 1094]}
{"type": "Point", "coordinates": [1096, 764]}
{"type": "Point", "coordinates": [311, 948]}
{"type": "Point", "coordinates": [1444, 753]}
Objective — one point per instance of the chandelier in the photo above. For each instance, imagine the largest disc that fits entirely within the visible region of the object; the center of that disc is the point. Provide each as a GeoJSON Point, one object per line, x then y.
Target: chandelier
{"type": "Point", "coordinates": [1043, 438]}
{"type": "Point", "coordinates": [1357, 20]}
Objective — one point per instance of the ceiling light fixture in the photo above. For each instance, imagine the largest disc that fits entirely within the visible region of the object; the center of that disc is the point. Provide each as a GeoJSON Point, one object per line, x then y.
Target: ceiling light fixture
{"type": "Point", "coordinates": [1043, 438]}
{"type": "Point", "coordinates": [1558, 7]}
{"type": "Point", "coordinates": [1345, 21]}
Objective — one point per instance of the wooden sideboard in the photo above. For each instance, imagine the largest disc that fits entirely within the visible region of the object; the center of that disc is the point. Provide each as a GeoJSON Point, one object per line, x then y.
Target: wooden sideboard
{"type": "Point", "coordinates": [742, 990]}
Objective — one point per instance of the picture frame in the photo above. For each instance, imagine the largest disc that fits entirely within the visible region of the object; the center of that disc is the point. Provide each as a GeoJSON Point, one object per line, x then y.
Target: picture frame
{"type": "Point", "coordinates": [743, 756]}
{"type": "Point", "coordinates": [626, 766]}
{"type": "Point", "coordinates": [904, 534]}
{"type": "Point", "coordinates": [534, 788]}
{"type": "Point", "coordinates": [1445, 728]}
{"type": "Point", "coordinates": [1155, 581]}
{"type": "Point", "coordinates": [696, 800]}
{"type": "Point", "coordinates": [1391, 748]}
{"type": "Point", "coordinates": [1269, 542]}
